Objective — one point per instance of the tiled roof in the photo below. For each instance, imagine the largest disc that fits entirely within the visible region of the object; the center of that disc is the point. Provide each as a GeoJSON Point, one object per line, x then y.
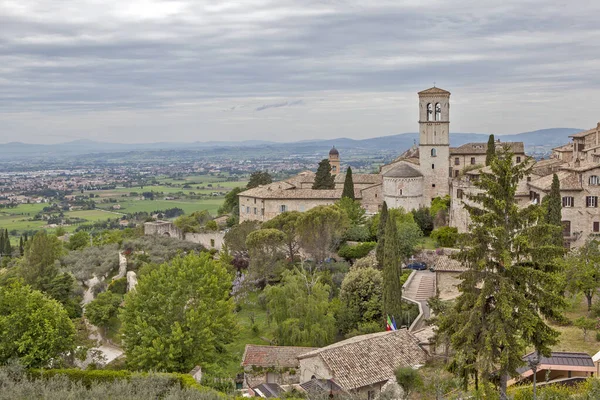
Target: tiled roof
{"type": "Point", "coordinates": [568, 181]}
{"type": "Point", "coordinates": [584, 133]}
{"type": "Point", "coordinates": [434, 90]}
{"type": "Point", "coordinates": [273, 356]}
{"type": "Point", "coordinates": [565, 148]}
{"type": "Point", "coordinates": [447, 264]}
{"type": "Point", "coordinates": [302, 177]}
{"type": "Point", "coordinates": [360, 178]}
{"type": "Point", "coordinates": [268, 390]}
{"type": "Point", "coordinates": [368, 359]}
{"type": "Point", "coordinates": [481, 148]}
{"type": "Point", "coordinates": [402, 170]}
{"type": "Point", "coordinates": [315, 388]}
{"type": "Point", "coordinates": [558, 358]}
{"type": "Point", "coordinates": [297, 194]}
{"type": "Point", "coordinates": [545, 167]}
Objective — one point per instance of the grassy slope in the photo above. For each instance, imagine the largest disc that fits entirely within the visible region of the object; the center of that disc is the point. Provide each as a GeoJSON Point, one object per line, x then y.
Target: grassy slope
{"type": "Point", "coordinates": [571, 338]}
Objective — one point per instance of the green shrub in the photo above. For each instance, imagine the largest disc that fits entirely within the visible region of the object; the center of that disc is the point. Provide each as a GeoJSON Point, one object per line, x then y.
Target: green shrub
{"type": "Point", "coordinates": [359, 250]}
{"type": "Point", "coordinates": [445, 236]}
{"type": "Point", "coordinates": [118, 286]}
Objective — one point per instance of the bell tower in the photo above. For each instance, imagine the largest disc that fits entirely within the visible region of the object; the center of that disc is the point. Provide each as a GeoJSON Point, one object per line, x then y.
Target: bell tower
{"type": "Point", "coordinates": [434, 142]}
{"type": "Point", "coordinates": [334, 160]}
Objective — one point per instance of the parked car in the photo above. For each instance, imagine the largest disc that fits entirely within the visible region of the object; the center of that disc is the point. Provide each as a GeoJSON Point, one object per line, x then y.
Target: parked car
{"type": "Point", "coordinates": [417, 266]}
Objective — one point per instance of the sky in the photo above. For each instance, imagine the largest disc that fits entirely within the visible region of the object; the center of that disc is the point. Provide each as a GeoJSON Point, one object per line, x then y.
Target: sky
{"type": "Point", "coordinates": [140, 71]}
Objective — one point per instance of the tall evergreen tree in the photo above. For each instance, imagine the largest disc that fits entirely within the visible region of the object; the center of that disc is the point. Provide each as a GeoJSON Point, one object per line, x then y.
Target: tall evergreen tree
{"type": "Point", "coordinates": [553, 206]}
{"type": "Point", "coordinates": [323, 177]}
{"type": "Point", "coordinates": [392, 290]}
{"type": "Point", "coordinates": [2, 240]}
{"type": "Point", "coordinates": [490, 153]}
{"type": "Point", "coordinates": [348, 185]}
{"type": "Point", "coordinates": [510, 289]}
{"type": "Point", "coordinates": [383, 217]}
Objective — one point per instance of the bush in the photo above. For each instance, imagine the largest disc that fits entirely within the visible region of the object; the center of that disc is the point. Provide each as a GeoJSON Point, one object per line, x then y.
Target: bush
{"type": "Point", "coordinates": [445, 236]}
{"type": "Point", "coordinates": [118, 286]}
{"type": "Point", "coordinates": [357, 251]}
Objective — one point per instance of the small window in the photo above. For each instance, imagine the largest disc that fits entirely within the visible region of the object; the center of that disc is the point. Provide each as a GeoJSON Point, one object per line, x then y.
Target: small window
{"type": "Point", "coordinates": [212, 242]}
{"type": "Point", "coordinates": [566, 228]}
{"type": "Point", "coordinates": [400, 192]}
{"type": "Point", "coordinates": [567, 201]}
{"type": "Point", "coordinates": [456, 172]}
{"type": "Point", "coordinates": [594, 180]}
{"type": "Point", "coordinates": [255, 200]}
{"type": "Point", "coordinates": [334, 168]}
{"type": "Point", "coordinates": [438, 112]}
{"type": "Point", "coordinates": [433, 153]}
{"type": "Point", "coordinates": [429, 111]}
{"type": "Point", "coordinates": [255, 211]}
{"type": "Point", "coordinates": [247, 210]}
{"type": "Point", "coordinates": [591, 201]}
{"type": "Point", "coordinates": [518, 159]}
{"type": "Point", "coordinates": [301, 208]}
{"type": "Point", "coordinates": [283, 208]}
{"type": "Point", "coordinates": [472, 160]}
{"type": "Point", "coordinates": [262, 212]}
{"type": "Point", "coordinates": [528, 179]}
{"type": "Point", "coordinates": [456, 161]}
{"type": "Point", "coordinates": [432, 166]}
{"type": "Point", "coordinates": [433, 185]}
{"type": "Point", "coordinates": [459, 193]}
{"type": "Point", "coordinates": [596, 227]}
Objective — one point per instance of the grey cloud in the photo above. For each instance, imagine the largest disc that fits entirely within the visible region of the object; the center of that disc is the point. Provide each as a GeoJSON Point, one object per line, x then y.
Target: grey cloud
{"type": "Point", "coordinates": [58, 61]}
{"type": "Point", "coordinates": [280, 104]}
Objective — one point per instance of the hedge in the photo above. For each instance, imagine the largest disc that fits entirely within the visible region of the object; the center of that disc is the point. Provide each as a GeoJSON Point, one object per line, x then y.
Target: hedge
{"type": "Point", "coordinates": [359, 250]}
{"type": "Point", "coordinates": [89, 377]}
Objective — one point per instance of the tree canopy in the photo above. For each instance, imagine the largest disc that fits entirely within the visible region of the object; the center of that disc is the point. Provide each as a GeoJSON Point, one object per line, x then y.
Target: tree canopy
{"type": "Point", "coordinates": [258, 178]}
{"type": "Point", "coordinates": [179, 316]}
{"type": "Point", "coordinates": [265, 250]}
{"type": "Point", "coordinates": [360, 297]}
{"type": "Point", "coordinates": [510, 287]}
{"type": "Point", "coordinates": [35, 329]}
{"type": "Point", "coordinates": [319, 229]}
{"type": "Point", "coordinates": [301, 309]}
{"type": "Point", "coordinates": [323, 178]}
{"type": "Point", "coordinates": [287, 223]}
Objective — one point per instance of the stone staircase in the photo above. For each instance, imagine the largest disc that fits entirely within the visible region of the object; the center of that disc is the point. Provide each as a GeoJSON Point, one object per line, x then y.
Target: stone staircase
{"type": "Point", "coordinates": [420, 289]}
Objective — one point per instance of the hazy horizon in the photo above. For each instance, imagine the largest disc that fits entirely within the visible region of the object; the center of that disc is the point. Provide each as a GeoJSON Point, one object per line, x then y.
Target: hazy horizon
{"type": "Point", "coordinates": [149, 71]}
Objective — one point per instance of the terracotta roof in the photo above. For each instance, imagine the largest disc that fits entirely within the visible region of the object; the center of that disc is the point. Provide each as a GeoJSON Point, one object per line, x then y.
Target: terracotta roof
{"type": "Point", "coordinates": [273, 356]}
{"type": "Point", "coordinates": [580, 361]}
{"type": "Point", "coordinates": [402, 170]}
{"type": "Point", "coordinates": [368, 359]}
{"type": "Point", "coordinates": [481, 148]}
{"type": "Point", "coordinates": [268, 390]}
{"type": "Point", "coordinates": [302, 177]}
{"type": "Point", "coordinates": [545, 167]}
{"type": "Point", "coordinates": [434, 90]}
{"type": "Point", "coordinates": [447, 264]}
{"type": "Point", "coordinates": [565, 148]}
{"type": "Point", "coordinates": [294, 194]}
{"type": "Point", "coordinates": [360, 178]}
{"type": "Point", "coordinates": [568, 181]}
{"type": "Point", "coordinates": [584, 133]}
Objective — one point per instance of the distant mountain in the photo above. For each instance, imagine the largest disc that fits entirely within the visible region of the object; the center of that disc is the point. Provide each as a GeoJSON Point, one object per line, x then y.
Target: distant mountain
{"type": "Point", "coordinates": [545, 138]}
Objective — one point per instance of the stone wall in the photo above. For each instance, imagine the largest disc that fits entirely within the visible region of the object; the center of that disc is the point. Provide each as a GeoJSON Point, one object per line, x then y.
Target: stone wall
{"type": "Point", "coordinates": [210, 240]}
{"type": "Point", "coordinates": [403, 192]}
{"type": "Point", "coordinates": [165, 228]}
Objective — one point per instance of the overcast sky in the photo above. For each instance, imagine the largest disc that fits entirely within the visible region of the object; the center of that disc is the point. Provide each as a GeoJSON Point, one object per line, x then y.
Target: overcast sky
{"type": "Point", "coordinates": [163, 70]}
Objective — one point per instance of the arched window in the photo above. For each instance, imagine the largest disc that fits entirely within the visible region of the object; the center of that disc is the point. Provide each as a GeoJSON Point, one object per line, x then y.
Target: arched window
{"type": "Point", "coordinates": [429, 112]}
{"type": "Point", "coordinates": [433, 153]}
{"type": "Point", "coordinates": [438, 112]}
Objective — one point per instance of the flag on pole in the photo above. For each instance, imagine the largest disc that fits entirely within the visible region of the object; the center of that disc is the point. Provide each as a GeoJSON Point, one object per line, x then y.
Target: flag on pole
{"type": "Point", "coordinates": [395, 327]}
{"type": "Point", "coordinates": [390, 326]}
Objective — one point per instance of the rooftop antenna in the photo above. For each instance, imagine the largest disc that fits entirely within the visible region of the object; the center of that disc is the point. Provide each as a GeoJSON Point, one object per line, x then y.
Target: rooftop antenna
{"type": "Point", "coordinates": [433, 83]}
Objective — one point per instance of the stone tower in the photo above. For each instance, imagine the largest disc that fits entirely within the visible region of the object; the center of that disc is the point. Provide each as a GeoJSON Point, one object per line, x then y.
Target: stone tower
{"type": "Point", "coordinates": [434, 142]}
{"type": "Point", "coordinates": [334, 161]}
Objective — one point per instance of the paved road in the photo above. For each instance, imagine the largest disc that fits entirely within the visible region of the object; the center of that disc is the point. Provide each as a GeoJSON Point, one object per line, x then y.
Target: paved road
{"type": "Point", "coordinates": [420, 289]}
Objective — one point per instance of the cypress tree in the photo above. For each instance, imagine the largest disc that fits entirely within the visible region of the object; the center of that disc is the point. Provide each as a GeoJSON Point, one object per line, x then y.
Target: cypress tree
{"type": "Point", "coordinates": [348, 185]}
{"type": "Point", "coordinates": [21, 250]}
{"type": "Point", "coordinates": [490, 153]}
{"type": "Point", "coordinates": [2, 240]}
{"type": "Point", "coordinates": [323, 177]}
{"type": "Point", "coordinates": [392, 290]}
{"type": "Point", "coordinates": [7, 246]}
{"type": "Point", "coordinates": [383, 217]}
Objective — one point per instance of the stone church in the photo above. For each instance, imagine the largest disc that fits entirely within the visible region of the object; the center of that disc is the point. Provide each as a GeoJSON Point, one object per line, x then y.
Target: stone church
{"type": "Point", "coordinates": [433, 168]}
{"type": "Point", "coordinates": [411, 181]}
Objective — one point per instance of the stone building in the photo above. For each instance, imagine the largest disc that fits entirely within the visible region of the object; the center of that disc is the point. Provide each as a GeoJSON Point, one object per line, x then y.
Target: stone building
{"type": "Point", "coordinates": [577, 166]}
